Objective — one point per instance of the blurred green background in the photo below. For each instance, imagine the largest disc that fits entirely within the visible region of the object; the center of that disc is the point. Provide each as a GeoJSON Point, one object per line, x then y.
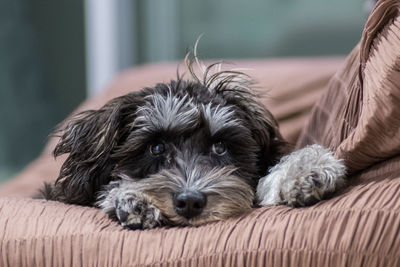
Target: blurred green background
{"type": "Point", "coordinates": [43, 50]}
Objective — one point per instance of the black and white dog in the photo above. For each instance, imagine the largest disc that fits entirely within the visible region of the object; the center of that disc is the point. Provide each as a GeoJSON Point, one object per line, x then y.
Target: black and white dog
{"type": "Point", "coordinates": [187, 152]}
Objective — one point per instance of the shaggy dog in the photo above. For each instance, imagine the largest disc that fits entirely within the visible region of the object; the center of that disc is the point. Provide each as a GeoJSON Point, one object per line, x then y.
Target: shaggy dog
{"type": "Point", "coordinates": [187, 152]}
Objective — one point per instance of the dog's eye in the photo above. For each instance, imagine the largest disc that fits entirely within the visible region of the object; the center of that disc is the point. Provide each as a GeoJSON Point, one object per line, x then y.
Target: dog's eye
{"type": "Point", "coordinates": [219, 148]}
{"type": "Point", "coordinates": [157, 149]}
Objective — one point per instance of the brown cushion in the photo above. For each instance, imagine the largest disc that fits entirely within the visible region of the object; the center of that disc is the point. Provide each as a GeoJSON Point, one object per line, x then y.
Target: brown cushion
{"type": "Point", "coordinates": [360, 227]}
{"type": "Point", "coordinates": [359, 115]}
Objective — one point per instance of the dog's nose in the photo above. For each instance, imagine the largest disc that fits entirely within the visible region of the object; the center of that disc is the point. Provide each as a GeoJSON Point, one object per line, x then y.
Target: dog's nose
{"type": "Point", "coordinates": [190, 203]}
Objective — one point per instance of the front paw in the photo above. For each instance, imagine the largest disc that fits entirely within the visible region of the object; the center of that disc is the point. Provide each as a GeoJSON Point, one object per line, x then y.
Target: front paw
{"type": "Point", "coordinates": [305, 190]}
{"type": "Point", "coordinates": [302, 178]}
{"type": "Point", "coordinates": [134, 211]}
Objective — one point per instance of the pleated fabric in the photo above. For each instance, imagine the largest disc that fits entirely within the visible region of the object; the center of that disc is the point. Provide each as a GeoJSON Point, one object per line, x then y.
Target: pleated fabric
{"type": "Point", "coordinates": [358, 227]}
{"type": "Point", "coordinates": [358, 116]}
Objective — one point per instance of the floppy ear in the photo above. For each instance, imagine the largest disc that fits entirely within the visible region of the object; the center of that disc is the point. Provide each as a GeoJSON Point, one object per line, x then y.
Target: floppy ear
{"type": "Point", "coordinates": [266, 132]}
{"type": "Point", "coordinates": [90, 138]}
{"type": "Point", "coordinates": [264, 129]}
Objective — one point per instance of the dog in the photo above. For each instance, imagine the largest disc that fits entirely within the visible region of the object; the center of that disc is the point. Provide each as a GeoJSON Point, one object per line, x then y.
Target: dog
{"type": "Point", "coordinates": [186, 153]}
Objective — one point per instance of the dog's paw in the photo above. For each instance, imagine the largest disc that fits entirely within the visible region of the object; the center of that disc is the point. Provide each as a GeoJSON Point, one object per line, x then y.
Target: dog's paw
{"type": "Point", "coordinates": [135, 211]}
{"type": "Point", "coordinates": [302, 178]}
{"type": "Point", "coordinates": [306, 190]}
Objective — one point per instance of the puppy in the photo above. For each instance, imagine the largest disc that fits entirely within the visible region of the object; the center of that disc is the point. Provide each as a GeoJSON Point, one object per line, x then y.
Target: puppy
{"type": "Point", "coordinates": [187, 152]}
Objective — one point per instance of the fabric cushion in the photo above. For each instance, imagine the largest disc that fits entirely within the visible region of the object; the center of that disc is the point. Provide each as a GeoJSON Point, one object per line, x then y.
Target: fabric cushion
{"type": "Point", "coordinates": [359, 115]}
{"type": "Point", "coordinates": [359, 227]}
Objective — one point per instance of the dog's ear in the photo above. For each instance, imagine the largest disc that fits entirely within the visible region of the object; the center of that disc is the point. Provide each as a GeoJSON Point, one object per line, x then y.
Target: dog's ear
{"type": "Point", "coordinates": [90, 138]}
{"type": "Point", "coordinates": [263, 126]}
{"type": "Point", "coordinates": [266, 132]}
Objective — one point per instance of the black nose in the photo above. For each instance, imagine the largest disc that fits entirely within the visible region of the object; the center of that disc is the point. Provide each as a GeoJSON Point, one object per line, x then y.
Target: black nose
{"type": "Point", "coordinates": [190, 203]}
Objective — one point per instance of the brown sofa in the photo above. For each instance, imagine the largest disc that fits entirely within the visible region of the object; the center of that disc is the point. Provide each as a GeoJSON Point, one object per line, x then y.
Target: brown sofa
{"type": "Point", "coordinates": [351, 105]}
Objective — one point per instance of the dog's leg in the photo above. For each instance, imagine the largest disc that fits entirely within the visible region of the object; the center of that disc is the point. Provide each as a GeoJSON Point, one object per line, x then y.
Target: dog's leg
{"type": "Point", "coordinates": [302, 178]}
{"type": "Point", "coordinates": [132, 208]}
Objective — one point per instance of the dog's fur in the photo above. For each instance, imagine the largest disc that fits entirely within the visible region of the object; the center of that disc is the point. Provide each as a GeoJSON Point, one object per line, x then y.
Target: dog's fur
{"type": "Point", "coordinates": [208, 137]}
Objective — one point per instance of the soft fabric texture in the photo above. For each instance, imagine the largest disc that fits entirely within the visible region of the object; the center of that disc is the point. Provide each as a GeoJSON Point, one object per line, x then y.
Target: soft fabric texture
{"type": "Point", "coordinates": [357, 228]}
{"type": "Point", "coordinates": [357, 117]}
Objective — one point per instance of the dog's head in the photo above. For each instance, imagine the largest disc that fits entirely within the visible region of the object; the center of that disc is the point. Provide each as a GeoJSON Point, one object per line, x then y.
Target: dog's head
{"type": "Point", "coordinates": [196, 147]}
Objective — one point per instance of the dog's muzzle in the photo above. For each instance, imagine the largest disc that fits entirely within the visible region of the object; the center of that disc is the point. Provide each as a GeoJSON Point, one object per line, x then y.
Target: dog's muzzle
{"type": "Point", "coordinates": [189, 204]}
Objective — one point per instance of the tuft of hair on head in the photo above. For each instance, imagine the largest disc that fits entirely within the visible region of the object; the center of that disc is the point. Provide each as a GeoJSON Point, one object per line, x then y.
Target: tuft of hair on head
{"type": "Point", "coordinates": [215, 78]}
{"type": "Point", "coordinates": [234, 82]}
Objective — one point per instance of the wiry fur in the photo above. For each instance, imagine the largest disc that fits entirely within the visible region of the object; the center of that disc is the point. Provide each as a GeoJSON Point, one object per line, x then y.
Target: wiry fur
{"type": "Point", "coordinates": [112, 165]}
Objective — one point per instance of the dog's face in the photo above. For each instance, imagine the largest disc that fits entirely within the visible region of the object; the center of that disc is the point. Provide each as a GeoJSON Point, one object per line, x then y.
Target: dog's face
{"type": "Point", "coordinates": [196, 149]}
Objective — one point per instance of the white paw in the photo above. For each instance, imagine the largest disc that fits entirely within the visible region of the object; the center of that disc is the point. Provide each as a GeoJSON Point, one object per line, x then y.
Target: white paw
{"type": "Point", "coordinates": [135, 211]}
{"type": "Point", "coordinates": [302, 178]}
